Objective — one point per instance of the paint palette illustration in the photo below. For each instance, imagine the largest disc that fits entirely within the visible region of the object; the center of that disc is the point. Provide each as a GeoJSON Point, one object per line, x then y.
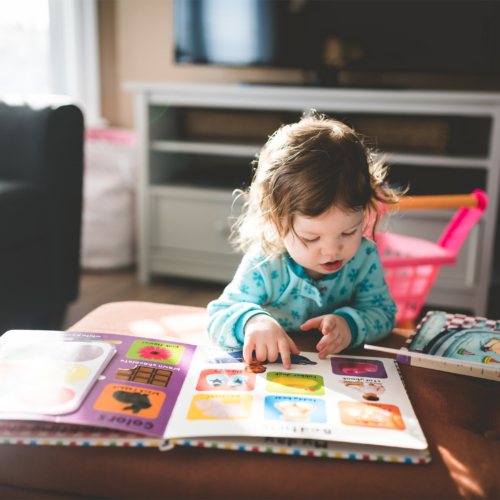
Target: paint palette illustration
{"type": "Point", "coordinates": [51, 378]}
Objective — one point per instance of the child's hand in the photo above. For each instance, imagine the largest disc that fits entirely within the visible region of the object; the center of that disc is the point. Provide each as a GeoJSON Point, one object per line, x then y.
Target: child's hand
{"type": "Point", "coordinates": [336, 331]}
{"type": "Point", "coordinates": [268, 338]}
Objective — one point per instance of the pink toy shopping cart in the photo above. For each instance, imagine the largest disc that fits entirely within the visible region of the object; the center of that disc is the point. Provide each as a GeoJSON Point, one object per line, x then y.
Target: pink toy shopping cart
{"type": "Point", "coordinates": [411, 265]}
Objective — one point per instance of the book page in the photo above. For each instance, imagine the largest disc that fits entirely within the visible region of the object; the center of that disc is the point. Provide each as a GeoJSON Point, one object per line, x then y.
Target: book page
{"type": "Point", "coordinates": [342, 398]}
{"type": "Point", "coordinates": [135, 392]}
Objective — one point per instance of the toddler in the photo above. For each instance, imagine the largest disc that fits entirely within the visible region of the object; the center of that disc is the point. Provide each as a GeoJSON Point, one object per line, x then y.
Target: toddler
{"type": "Point", "coordinates": [315, 192]}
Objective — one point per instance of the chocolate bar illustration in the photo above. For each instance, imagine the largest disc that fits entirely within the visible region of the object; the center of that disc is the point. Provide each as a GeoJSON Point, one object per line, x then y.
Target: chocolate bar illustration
{"type": "Point", "coordinates": [145, 375]}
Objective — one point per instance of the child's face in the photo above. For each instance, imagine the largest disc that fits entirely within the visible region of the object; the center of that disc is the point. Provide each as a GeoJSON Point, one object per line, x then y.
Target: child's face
{"type": "Point", "coordinates": [331, 240]}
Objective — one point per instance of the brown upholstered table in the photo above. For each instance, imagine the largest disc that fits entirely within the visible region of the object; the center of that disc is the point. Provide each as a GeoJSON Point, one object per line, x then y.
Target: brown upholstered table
{"type": "Point", "coordinates": [454, 412]}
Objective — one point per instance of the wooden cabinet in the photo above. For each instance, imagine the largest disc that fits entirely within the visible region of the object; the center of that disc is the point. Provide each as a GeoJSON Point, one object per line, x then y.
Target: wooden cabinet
{"type": "Point", "coordinates": [197, 142]}
{"type": "Point", "coordinates": [189, 233]}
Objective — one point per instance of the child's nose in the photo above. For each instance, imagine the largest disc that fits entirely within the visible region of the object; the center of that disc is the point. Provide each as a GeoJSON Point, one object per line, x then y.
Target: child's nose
{"type": "Point", "coordinates": [331, 248]}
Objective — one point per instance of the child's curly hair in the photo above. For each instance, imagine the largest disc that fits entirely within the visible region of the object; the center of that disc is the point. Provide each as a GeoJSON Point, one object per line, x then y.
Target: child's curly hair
{"type": "Point", "coordinates": [306, 168]}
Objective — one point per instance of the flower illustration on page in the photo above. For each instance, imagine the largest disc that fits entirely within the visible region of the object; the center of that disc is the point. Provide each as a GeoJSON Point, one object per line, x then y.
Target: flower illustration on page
{"type": "Point", "coordinates": [218, 409]}
{"type": "Point", "coordinates": [152, 352]}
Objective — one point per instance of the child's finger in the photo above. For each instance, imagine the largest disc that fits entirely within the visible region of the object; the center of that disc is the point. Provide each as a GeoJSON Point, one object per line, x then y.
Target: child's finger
{"type": "Point", "coordinates": [312, 323]}
{"type": "Point", "coordinates": [328, 324]}
{"type": "Point", "coordinates": [324, 353]}
{"type": "Point", "coordinates": [261, 352]}
{"type": "Point", "coordinates": [325, 349]}
{"type": "Point", "coordinates": [291, 344]}
{"type": "Point", "coordinates": [336, 347]}
{"type": "Point", "coordinates": [247, 352]}
{"type": "Point", "coordinates": [272, 352]}
{"type": "Point", "coordinates": [285, 353]}
{"type": "Point", "coordinates": [327, 340]}
{"type": "Point", "coordinates": [331, 348]}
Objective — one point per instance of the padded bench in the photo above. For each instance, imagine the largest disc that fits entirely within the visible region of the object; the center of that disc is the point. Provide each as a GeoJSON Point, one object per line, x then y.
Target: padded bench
{"type": "Point", "coordinates": [460, 417]}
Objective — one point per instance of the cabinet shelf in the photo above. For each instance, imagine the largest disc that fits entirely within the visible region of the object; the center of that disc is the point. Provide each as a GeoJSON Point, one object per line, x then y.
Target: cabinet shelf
{"type": "Point", "coordinates": [191, 192]}
{"type": "Point", "coordinates": [435, 161]}
{"type": "Point", "coordinates": [244, 150]}
{"type": "Point", "coordinates": [206, 148]}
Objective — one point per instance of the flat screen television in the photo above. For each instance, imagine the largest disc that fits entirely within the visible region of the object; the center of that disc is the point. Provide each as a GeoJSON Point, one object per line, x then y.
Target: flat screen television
{"type": "Point", "coordinates": [449, 37]}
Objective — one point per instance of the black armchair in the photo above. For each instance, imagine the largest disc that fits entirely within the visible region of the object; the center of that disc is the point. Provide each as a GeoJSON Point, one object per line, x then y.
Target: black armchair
{"type": "Point", "coordinates": [41, 179]}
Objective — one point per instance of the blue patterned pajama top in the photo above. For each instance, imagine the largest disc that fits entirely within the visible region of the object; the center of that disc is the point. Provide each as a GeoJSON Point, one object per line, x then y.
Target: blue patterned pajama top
{"type": "Point", "coordinates": [281, 288]}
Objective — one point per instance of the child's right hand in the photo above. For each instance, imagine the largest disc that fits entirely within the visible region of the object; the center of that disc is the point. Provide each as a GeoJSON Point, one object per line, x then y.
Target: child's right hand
{"type": "Point", "coordinates": [268, 338]}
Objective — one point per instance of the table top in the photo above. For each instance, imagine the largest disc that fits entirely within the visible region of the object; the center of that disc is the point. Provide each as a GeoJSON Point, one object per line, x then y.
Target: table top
{"type": "Point", "coordinates": [454, 411]}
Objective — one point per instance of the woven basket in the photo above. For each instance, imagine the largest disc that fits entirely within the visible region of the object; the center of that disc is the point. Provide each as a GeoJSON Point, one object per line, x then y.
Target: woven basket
{"type": "Point", "coordinates": [230, 125]}
{"type": "Point", "coordinates": [406, 134]}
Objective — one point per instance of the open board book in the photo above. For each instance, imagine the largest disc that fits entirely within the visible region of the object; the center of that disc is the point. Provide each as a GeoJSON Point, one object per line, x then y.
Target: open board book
{"type": "Point", "coordinates": [157, 391]}
{"type": "Point", "coordinates": [455, 343]}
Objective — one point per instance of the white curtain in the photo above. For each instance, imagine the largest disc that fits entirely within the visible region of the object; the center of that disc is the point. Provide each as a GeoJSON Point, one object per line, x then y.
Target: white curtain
{"type": "Point", "coordinates": [74, 50]}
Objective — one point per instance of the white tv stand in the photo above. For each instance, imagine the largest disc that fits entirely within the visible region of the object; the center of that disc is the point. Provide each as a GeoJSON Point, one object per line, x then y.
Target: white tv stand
{"type": "Point", "coordinates": [183, 227]}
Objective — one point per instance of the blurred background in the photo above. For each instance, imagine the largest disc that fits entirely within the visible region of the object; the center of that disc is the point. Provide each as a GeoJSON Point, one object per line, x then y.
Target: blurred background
{"type": "Point", "coordinates": [70, 124]}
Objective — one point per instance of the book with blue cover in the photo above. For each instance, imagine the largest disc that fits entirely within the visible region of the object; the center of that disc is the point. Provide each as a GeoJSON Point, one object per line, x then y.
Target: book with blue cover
{"type": "Point", "coordinates": [455, 343]}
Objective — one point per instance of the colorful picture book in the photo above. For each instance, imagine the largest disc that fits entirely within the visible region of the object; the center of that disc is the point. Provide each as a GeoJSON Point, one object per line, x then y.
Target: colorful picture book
{"type": "Point", "coordinates": [455, 343]}
{"type": "Point", "coordinates": [342, 406]}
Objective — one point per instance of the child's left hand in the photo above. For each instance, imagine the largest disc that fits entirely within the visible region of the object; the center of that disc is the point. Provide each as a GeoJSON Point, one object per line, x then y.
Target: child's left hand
{"type": "Point", "coordinates": [336, 331]}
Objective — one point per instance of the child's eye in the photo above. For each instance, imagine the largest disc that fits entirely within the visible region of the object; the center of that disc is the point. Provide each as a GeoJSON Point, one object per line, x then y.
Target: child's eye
{"type": "Point", "coordinates": [311, 241]}
{"type": "Point", "coordinates": [349, 234]}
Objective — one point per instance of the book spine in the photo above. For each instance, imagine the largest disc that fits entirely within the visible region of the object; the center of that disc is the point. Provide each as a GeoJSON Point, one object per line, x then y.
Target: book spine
{"type": "Point", "coordinates": [451, 366]}
{"type": "Point", "coordinates": [423, 458]}
{"type": "Point", "coordinates": [402, 358]}
{"type": "Point", "coordinates": [147, 443]}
